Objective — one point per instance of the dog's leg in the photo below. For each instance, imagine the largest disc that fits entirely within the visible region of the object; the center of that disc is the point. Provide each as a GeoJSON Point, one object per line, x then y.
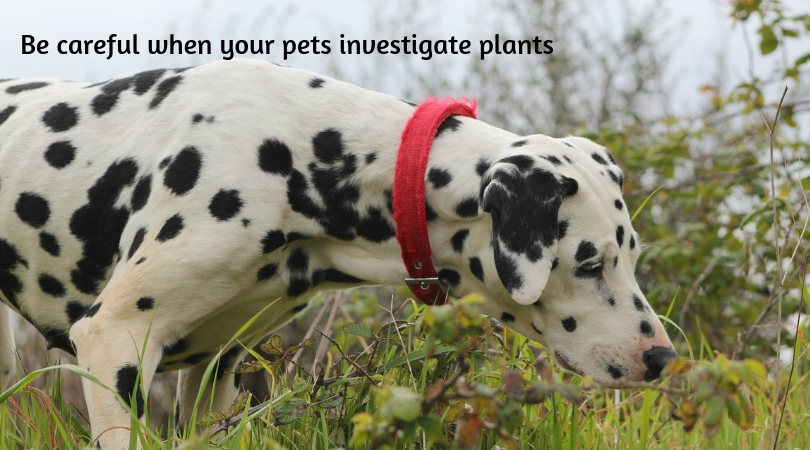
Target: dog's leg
{"type": "Point", "coordinates": [120, 355]}
{"type": "Point", "coordinates": [225, 387]}
{"type": "Point", "coordinates": [7, 360]}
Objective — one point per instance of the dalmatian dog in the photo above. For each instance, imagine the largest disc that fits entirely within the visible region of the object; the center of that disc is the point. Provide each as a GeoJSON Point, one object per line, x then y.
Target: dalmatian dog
{"type": "Point", "coordinates": [144, 220]}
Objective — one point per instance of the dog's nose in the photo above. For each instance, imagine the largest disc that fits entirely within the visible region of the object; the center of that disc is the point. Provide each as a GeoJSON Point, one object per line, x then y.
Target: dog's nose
{"type": "Point", "coordinates": [656, 359]}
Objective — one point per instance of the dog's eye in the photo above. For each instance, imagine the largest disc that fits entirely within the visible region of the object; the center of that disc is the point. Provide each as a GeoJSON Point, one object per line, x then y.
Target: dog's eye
{"type": "Point", "coordinates": [589, 270]}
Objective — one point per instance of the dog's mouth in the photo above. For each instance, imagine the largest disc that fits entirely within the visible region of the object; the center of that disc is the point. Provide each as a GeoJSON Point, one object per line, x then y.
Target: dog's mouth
{"type": "Point", "coordinates": [562, 362]}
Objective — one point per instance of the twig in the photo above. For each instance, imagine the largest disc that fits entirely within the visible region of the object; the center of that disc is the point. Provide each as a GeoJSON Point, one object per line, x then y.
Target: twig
{"type": "Point", "coordinates": [308, 335]}
{"type": "Point", "coordinates": [771, 129]}
{"type": "Point", "coordinates": [356, 366]}
{"type": "Point", "coordinates": [696, 286]}
{"type": "Point", "coordinates": [322, 346]}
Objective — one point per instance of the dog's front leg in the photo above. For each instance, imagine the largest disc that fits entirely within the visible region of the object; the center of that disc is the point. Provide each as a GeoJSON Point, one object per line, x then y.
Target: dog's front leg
{"type": "Point", "coordinates": [121, 356]}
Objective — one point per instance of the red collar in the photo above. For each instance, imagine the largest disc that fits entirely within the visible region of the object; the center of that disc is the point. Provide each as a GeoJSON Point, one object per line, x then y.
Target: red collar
{"type": "Point", "coordinates": [409, 194]}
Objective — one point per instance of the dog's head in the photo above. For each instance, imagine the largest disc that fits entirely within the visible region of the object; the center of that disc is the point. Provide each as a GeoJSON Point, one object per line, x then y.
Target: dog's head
{"type": "Point", "coordinates": [565, 251]}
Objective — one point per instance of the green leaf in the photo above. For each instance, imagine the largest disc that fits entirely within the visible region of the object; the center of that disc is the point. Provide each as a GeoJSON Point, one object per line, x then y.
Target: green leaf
{"type": "Point", "coordinates": [290, 411]}
{"type": "Point", "coordinates": [210, 418]}
{"type": "Point", "coordinates": [434, 429]}
{"type": "Point", "coordinates": [768, 41]}
{"type": "Point", "coordinates": [328, 401]}
{"type": "Point", "coordinates": [238, 405]}
{"type": "Point", "coordinates": [273, 346]}
{"type": "Point", "coordinates": [357, 329]}
{"type": "Point", "coordinates": [402, 404]}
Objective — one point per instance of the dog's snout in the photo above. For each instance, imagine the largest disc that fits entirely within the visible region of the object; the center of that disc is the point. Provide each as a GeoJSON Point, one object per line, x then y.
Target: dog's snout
{"type": "Point", "coordinates": [656, 359]}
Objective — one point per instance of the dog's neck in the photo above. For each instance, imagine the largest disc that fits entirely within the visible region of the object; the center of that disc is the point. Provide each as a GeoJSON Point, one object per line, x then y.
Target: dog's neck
{"type": "Point", "coordinates": [459, 231]}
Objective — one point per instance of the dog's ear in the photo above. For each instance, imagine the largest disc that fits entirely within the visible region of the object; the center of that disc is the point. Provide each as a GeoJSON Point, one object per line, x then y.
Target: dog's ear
{"type": "Point", "coordinates": [523, 197]}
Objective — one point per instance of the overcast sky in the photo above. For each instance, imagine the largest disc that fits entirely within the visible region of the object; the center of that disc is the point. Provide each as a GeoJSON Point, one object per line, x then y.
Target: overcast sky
{"type": "Point", "coordinates": [708, 33]}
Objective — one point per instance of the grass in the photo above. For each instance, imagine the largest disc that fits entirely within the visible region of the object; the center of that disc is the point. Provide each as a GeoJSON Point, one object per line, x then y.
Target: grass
{"type": "Point", "coordinates": [387, 388]}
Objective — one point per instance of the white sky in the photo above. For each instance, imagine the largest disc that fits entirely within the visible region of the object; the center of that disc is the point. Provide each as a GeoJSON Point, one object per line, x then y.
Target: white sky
{"type": "Point", "coordinates": [708, 33]}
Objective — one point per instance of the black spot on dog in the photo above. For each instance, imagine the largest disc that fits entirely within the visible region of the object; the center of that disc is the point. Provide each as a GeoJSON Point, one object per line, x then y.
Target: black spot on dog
{"type": "Point", "coordinates": [519, 143]}
{"type": "Point", "coordinates": [145, 80]}
{"type": "Point", "coordinates": [140, 260]}
{"type": "Point", "coordinates": [163, 90]}
{"type": "Point", "coordinates": [439, 178]}
{"type": "Point", "coordinates": [196, 358]}
{"type": "Point", "coordinates": [618, 179]}
{"type": "Point", "coordinates": [449, 278]}
{"type": "Point", "coordinates": [60, 154]}
{"type": "Point", "coordinates": [646, 329]}
{"type": "Point", "coordinates": [458, 239]}
{"type": "Point", "coordinates": [197, 118]}
{"type": "Point", "coordinates": [183, 171]}
{"type": "Point", "coordinates": [620, 235]}
{"type": "Point", "coordinates": [570, 324]}
{"type": "Point", "coordinates": [611, 301]}
{"type": "Point", "coordinates": [598, 158]}
{"type": "Point", "coordinates": [536, 330]}
{"type": "Point", "coordinates": [295, 236]}
{"type": "Point", "coordinates": [467, 208]}
{"type": "Point", "coordinates": [618, 204]}
{"type": "Point", "coordinates": [266, 272]}
{"type": "Point", "coordinates": [32, 209]}
{"type": "Point", "coordinates": [375, 228]}
{"type": "Point", "coordinates": [227, 361]}
{"type": "Point", "coordinates": [555, 263]}
{"type": "Point", "coordinates": [275, 157]}
{"type": "Point", "coordinates": [26, 87]}
{"type": "Point", "coordinates": [482, 166]}
{"type": "Point", "coordinates": [408, 102]}
{"type": "Point", "coordinates": [10, 285]}
{"type": "Point", "coordinates": [4, 114]}
{"type": "Point", "coordinates": [110, 91]}
{"type": "Point", "coordinates": [225, 205]}
{"type": "Point", "coordinates": [449, 124]}
{"type": "Point", "coordinates": [332, 275]}
{"type": "Point", "coordinates": [615, 371]}
{"type": "Point", "coordinates": [176, 348]}
{"type": "Point", "coordinates": [567, 159]}
{"type": "Point", "coordinates": [562, 229]}
{"type": "Point", "coordinates": [316, 83]}
{"type": "Point", "coordinates": [523, 162]}
{"type": "Point", "coordinates": [56, 338]}
{"type": "Point", "coordinates": [568, 145]}
{"type": "Point", "coordinates": [140, 195]}
{"type": "Point", "coordinates": [164, 162]}
{"type": "Point", "coordinates": [553, 160]}
{"type": "Point", "coordinates": [61, 117]}
{"type": "Point", "coordinates": [246, 222]}
{"type": "Point", "coordinates": [506, 317]}
{"type": "Point", "coordinates": [507, 270]}
{"type": "Point", "coordinates": [609, 155]}
{"type": "Point", "coordinates": [615, 261]}
{"type": "Point", "coordinates": [126, 383]}
{"type": "Point", "coordinates": [74, 311]}
{"type": "Point", "coordinates": [298, 265]}
{"type": "Point", "coordinates": [172, 227]}
{"type": "Point", "coordinates": [328, 146]}
{"type": "Point", "coordinates": [476, 268]}
{"type": "Point", "coordinates": [638, 303]}
{"type": "Point", "coordinates": [371, 157]}
{"type": "Point", "coordinates": [51, 286]}
{"type": "Point", "coordinates": [136, 242]}
{"type": "Point", "coordinates": [585, 250]}
{"type": "Point", "coordinates": [632, 242]}
{"type": "Point", "coordinates": [49, 243]}
{"type": "Point", "coordinates": [430, 214]}
{"type": "Point", "coordinates": [272, 240]}
{"type": "Point", "coordinates": [145, 303]}
{"type": "Point", "coordinates": [91, 311]}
